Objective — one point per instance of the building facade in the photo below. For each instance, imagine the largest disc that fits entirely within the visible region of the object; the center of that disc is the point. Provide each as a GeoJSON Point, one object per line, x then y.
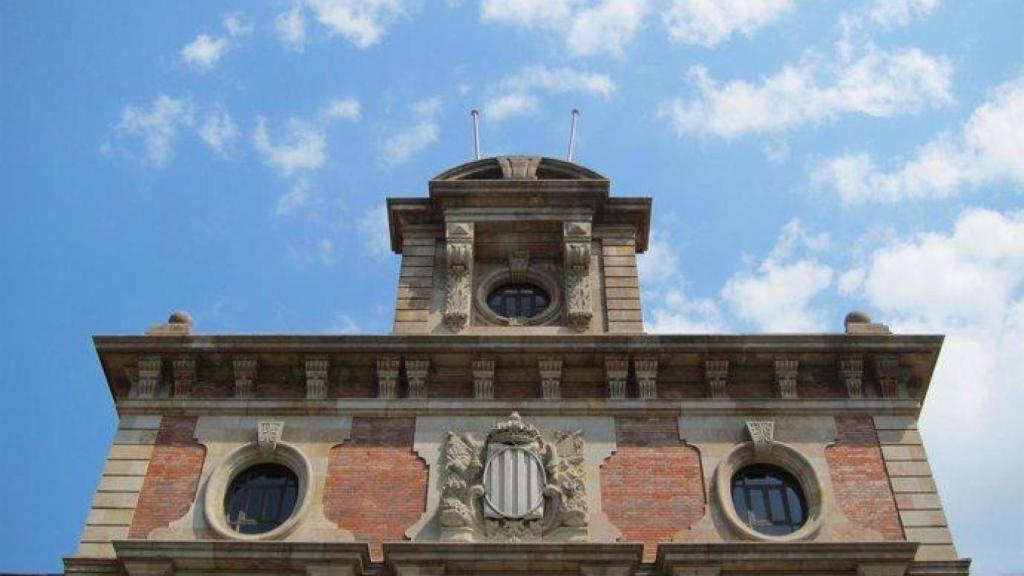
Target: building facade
{"type": "Point", "coordinates": [517, 420]}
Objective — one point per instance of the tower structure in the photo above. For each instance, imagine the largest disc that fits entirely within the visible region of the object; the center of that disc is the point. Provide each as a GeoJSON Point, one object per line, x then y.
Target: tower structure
{"type": "Point", "coordinates": [517, 420]}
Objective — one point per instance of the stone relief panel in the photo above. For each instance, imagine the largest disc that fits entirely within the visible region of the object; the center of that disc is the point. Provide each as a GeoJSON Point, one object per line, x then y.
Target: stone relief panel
{"type": "Point", "coordinates": [508, 480]}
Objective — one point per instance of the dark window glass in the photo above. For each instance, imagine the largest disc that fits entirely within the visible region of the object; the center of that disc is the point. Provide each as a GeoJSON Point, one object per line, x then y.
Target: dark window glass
{"type": "Point", "coordinates": [769, 500]}
{"type": "Point", "coordinates": [518, 301]}
{"type": "Point", "coordinates": [261, 498]}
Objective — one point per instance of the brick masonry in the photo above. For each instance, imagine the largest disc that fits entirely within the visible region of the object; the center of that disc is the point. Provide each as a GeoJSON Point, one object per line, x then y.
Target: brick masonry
{"type": "Point", "coordinates": [652, 487]}
{"type": "Point", "coordinates": [376, 486]}
{"type": "Point", "coordinates": [859, 477]}
{"type": "Point", "coordinates": [173, 477]}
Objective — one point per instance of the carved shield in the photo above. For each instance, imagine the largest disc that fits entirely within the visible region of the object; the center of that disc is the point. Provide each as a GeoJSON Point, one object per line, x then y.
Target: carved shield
{"type": "Point", "coordinates": [513, 482]}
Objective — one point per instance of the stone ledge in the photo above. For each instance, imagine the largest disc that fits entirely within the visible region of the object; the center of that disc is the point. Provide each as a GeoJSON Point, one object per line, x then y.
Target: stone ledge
{"type": "Point", "coordinates": [406, 558]}
{"type": "Point", "coordinates": [154, 557]}
{"type": "Point", "coordinates": [791, 557]}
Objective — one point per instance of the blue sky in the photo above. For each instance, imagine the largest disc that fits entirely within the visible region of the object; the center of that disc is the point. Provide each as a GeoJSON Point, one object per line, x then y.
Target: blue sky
{"type": "Point", "coordinates": [231, 159]}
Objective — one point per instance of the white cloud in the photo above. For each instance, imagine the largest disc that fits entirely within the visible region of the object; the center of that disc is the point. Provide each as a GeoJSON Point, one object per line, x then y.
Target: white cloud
{"type": "Point", "coordinates": [204, 52]}
{"type": "Point", "coordinates": [587, 27]}
{"type": "Point", "coordinates": [155, 127]}
{"type": "Point", "coordinates": [291, 28]}
{"type": "Point", "coordinates": [875, 83]}
{"type": "Point", "coordinates": [236, 25]}
{"type": "Point", "coordinates": [709, 23]}
{"type": "Point", "coordinates": [988, 149]}
{"type": "Point", "coordinates": [218, 131]}
{"type": "Point", "coordinates": [373, 228]}
{"type": "Point", "coordinates": [401, 146]}
{"type": "Point", "coordinates": [362, 22]}
{"type": "Point", "coordinates": [303, 149]}
{"type": "Point", "coordinates": [296, 198]}
{"type": "Point", "coordinates": [900, 12]}
{"type": "Point", "coordinates": [671, 310]}
{"type": "Point", "coordinates": [516, 94]}
{"type": "Point", "coordinates": [344, 324]}
{"type": "Point", "coordinates": [342, 109]}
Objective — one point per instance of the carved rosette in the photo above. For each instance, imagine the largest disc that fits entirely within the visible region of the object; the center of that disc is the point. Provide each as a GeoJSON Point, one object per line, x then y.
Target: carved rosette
{"type": "Point", "coordinates": [577, 274]}
{"type": "Point", "coordinates": [459, 264]}
{"type": "Point", "coordinates": [467, 510]}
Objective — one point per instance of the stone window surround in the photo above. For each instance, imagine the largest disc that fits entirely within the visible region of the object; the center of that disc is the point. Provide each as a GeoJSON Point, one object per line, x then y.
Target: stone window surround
{"type": "Point", "coordinates": [543, 278]}
{"type": "Point", "coordinates": [785, 457]}
{"type": "Point", "coordinates": [240, 459]}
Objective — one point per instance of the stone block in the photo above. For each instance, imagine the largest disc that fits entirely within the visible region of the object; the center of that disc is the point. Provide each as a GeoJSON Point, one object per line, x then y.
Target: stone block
{"type": "Point", "coordinates": [922, 518]}
{"type": "Point", "coordinates": [104, 533]}
{"type": "Point", "coordinates": [929, 535]}
{"type": "Point", "coordinates": [121, 483]}
{"type": "Point", "coordinates": [897, 452]}
{"type": "Point", "coordinates": [909, 437]}
{"type": "Point", "coordinates": [621, 282]}
{"type": "Point", "coordinates": [139, 423]}
{"type": "Point", "coordinates": [135, 437]}
{"type": "Point", "coordinates": [927, 552]}
{"type": "Point", "coordinates": [623, 304]}
{"type": "Point", "coordinates": [95, 550]}
{"type": "Point", "coordinates": [908, 468]}
{"type": "Point", "coordinates": [110, 517]}
{"type": "Point", "coordinates": [895, 423]}
{"type": "Point", "coordinates": [115, 500]}
{"type": "Point", "coordinates": [913, 484]}
{"type": "Point", "coordinates": [925, 501]}
{"type": "Point", "coordinates": [125, 467]}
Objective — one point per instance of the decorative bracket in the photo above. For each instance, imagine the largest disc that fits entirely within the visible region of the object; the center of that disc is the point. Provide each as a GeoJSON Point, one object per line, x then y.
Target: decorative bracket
{"type": "Point", "coordinates": [762, 434]}
{"type": "Point", "coordinates": [459, 260]}
{"type": "Point", "coordinates": [786, 372]}
{"type": "Point", "coordinates": [577, 236]}
{"type": "Point", "coordinates": [646, 370]}
{"type": "Point", "coordinates": [616, 372]}
{"type": "Point", "coordinates": [245, 377]}
{"type": "Point", "coordinates": [387, 377]}
{"type": "Point", "coordinates": [716, 372]}
{"type": "Point", "coordinates": [416, 372]}
{"type": "Point", "coordinates": [149, 376]}
{"type": "Point", "coordinates": [851, 370]}
{"type": "Point", "coordinates": [483, 379]}
{"type": "Point", "coordinates": [184, 370]}
{"type": "Point", "coordinates": [889, 375]}
{"type": "Point", "coordinates": [316, 378]}
{"type": "Point", "coordinates": [268, 435]}
{"type": "Point", "coordinates": [551, 378]}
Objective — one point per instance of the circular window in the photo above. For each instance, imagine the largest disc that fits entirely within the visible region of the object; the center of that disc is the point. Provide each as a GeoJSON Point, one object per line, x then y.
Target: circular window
{"type": "Point", "coordinates": [769, 500]}
{"type": "Point", "coordinates": [261, 498]}
{"type": "Point", "coordinates": [519, 301]}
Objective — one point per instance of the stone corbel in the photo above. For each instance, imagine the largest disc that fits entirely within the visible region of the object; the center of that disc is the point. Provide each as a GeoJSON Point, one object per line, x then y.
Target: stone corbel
{"type": "Point", "coordinates": [762, 434]}
{"type": "Point", "coordinates": [483, 379]}
{"type": "Point", "coordinates": [245, 377]}
{"type": "Point", "coordinates": [268, 434]}
{"type": "Point", "coordinates": [550, 378]}
{"type": "Point", "coordinates": [646, 370]}
{"type": "Point", "coordinates": [150, 368]}
{"type": "Point", "coordinates": [519, 167]}
{"type": "Point", "coordinates": [317, 370]}
{"type": "Point", "coordinates": [416, 372]}
{"type": "Point", "coordinates": [716, 372]}
{"type": "Point", "coordinates": [387, 377]}
{"type": "Point", "coordinates": [577, 236]}
{"type": "Point", "coordinates": [616, 372]}
{"type": "Point", "coordinates": [786, 372]}
{"type": "Point", "coordinates": [889, 375]}
{"type": "Point", "coordinates": [459, 264]}
{"type": "Point", "coordinates": [851, 371]}
{"type": "Point", "coordinates": [184, 371]}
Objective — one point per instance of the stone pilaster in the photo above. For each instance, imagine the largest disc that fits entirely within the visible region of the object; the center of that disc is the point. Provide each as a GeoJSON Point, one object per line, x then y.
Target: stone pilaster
{"type": "Point", "coordinates": [150, 369]}
{"type": "Point", "coordinates": [786, 372]}
{"type": "Point", "coordinates": [483, 379]}
{"type": "Point", "coordinates": [387, 377]}
{"type": "Point", "coordinates": [459, 264]}
{"type": "Point", "coordinates": [851, 371]}
{"type": "Point", "coordinates": [646, 370]}
{"type": "Point", "coordinates": [184, 372]}
{"type": "Point", "coordinates": [577, 237]}
{"type": "Point", "coordinates": [551, 378]}
{"type": "Point", "coordinates": [316, 378]}
{"type": "Point", "coordinates": [416, 373]}
{"type": "Point", "coordinates": [716, 372]}
{"type": "Point", "coordinates": [245, 377]}
{"type": "Point", "coordinates": [616, 372]}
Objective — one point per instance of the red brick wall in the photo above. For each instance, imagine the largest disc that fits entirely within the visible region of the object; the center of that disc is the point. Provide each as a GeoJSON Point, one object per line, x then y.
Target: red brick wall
{"type": "Point", "coordinates": [376, 485]}
{"type": "Point", "coordinates": [172, 477]}
{"type": "Point", "coordinates": [859, 480]}
{"type": "Point", "coordinates": [652, 487]}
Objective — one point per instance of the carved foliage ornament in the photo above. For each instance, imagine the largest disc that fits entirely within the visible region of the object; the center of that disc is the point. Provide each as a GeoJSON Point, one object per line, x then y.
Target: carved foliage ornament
{"type": "Point", "coordinates": [577, 274]}
{"type": "Point", "coordinates": [459, 258]}
{"type": "Point", "coordinates": [479, 476]}
{"type": "Point", "coordinates": [762, 434]}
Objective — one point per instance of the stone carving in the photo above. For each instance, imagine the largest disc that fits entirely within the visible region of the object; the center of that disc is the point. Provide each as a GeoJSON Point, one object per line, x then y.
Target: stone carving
{"type": "Point", "coordinates": [889, 375]}
{"type": "Point", "coordinates": [387, 377]}
{"type": "Point", "coordinates": [646, 370]}
{"type": "Point", "coordinates": [316, 378]}
{"type": "Point", "coordinates": [518, 263]}
{"type": "Point", "coordinates": [245, 377]}
{"type": "Point", "coordinates": [762, 434]}
{"type": "Point", "coordinates": [416, 371]}
{"type": "Point", "coordinates": [519, 167]}
{"type": "Point", "coordinates": [268, 435]}
{"type": "Point", "coordinates": [550, 378]}
{"type": "Point", "coordinates": [786, 374]}
{"type": "Point", "coordinates": [184, 372]}
{"type": "Point", "coordinates": [851, 370]}
{"type": "Point", "coordinates": [459, 255]}
{"type": "Point", "coordinates": [616, 372]}
{"type": "Point", "coordinates": [716, 372]}
{"type": "Point", "coordinates": [483, 379]}
{"type": "Point", "coordinates": [477, 474]}
{"type": "Point", "coordinates": [577, 274]}
{"type": "Point", "coordinates": [148, 376]}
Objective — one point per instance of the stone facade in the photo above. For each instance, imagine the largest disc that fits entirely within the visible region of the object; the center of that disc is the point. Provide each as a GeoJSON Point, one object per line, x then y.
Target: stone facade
{"type": "Point", "coordinates": [475, 440]}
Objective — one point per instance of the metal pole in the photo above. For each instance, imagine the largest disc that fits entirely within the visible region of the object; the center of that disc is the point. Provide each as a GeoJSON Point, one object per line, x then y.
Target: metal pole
{"type": "Point", "coordinates": [572, 135]}
{"type": "Point", "coordinates": [476, 133]}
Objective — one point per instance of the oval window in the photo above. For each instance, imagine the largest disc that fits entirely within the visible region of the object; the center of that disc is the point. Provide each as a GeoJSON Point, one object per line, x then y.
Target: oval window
{"type": "Point", "coordinates": [518, 301]}
{"type": "Point", "coordinates": [261, 498]}
{"type": "Point", "coordinates": [769, 500]}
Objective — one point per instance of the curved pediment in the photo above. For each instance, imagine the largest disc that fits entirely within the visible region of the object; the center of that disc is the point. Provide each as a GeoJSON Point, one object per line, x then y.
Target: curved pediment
{"type": "Point", "coordinates": [519, 168]}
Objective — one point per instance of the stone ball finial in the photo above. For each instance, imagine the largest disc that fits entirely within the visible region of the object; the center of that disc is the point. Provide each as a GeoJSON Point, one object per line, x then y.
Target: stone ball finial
{"type": "Point", "coordinates": [857, 317]}
{"type": "Point", "coordinates": [180, 317]}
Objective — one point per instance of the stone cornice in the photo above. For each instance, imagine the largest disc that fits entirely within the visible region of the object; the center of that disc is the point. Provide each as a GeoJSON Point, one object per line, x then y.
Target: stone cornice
{"type": "Point", "coordinates": [878, 558]}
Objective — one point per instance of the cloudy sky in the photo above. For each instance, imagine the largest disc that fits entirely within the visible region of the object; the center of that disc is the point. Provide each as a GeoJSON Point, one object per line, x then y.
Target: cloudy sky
{"type": "Point", "coordinates": [231, 158]}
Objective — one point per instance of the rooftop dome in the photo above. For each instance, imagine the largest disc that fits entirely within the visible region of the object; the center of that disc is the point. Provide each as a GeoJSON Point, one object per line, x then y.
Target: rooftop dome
{"type": "Point", "coordinates": [519, 168]}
